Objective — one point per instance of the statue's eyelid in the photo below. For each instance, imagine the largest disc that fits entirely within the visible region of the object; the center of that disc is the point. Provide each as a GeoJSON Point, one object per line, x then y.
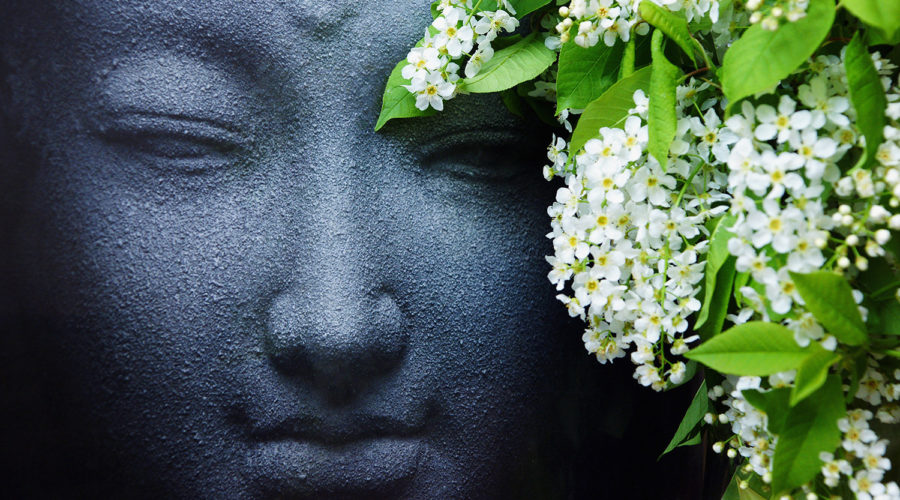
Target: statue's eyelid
{"type": "Point", "coordinates": [177, 140]}
{"type": "Point", "coordinates": [489, 156]}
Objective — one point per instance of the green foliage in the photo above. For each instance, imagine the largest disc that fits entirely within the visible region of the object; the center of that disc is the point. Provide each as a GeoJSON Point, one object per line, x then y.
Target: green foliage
{"type": "Point", "coordinates": [774, 403]}
{"type": "Point", "coordinates": [610, 109]}
{"type": "Point", "coordinates": [584, 74]}
{"type": "Point", "coordinates": [673, 24]}
{"type": "Point", "coordinates": [811, 374]}
{"type": "Point", "coordinates": [866, 93]}
{"type": "Point", "coordinates": [397, 101]}
{"type": "Point", "coordinates": [627, 66]}
{"type": "Point", "coordinates": [511, 66]}
{"type": "Point", "coordinates": [524, 7]}
{"type": "Point", "coordinates": [754, 348]}
{"type": "Point", "coordinates": [810, 428]}
{"type": "Point", "coordinates": [715, 258]}
{"type": "Point", "coordinates": [884, 14]}
{"type": "Point", "coordinates": [829, 298]}
{"type": "Point", "coordinates": [761, 58]}
{"type": "Point", "coordinates": [689, 426]}
{"type": "Point", "coordinates": [662, 120]}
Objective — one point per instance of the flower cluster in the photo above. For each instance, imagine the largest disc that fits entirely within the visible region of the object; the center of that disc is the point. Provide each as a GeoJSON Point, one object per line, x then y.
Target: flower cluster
{"type": "Point", "coordinates": [631, 237]}
{"type": "Point", "coordinates": [433, 65]}
{"type": "Point", "coordinates": [611, 20]}
{"type": "Point", "coordinates": [628, 235]}
{"type": "Point", "coordinates": [770, 14]}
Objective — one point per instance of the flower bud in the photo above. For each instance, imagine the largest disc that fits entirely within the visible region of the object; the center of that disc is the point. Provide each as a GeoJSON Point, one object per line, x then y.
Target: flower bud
{"type": "Point", "coordinates": [777, 12]}
{"type": "Point", "coordinates": [709, 418]}
{"type": "Point", "coordinates": [892, 176]}
{"type": "Point", "coordinates": [563, 11]}
{"type": "Point", "coordinates": [846, 220]}
{"type": "Point", "coordinates": [852, 240]}
{"type": "Point", "coordinates": [718, 446]}
{"type": "Point", "coordinates": [861, 263]}
{"type": "Point", "coordinates": [843, 263]}
{"type": "Point", "coordinates": [723, 418]}
{"type": "Point", "coordinates": [731, 453]}
{"type": "Point", "coordinates": [755, 17]}
{"type": "Point", "coordinates": [844, 209]}
{"type": "Point", "coordinates": [882, 236]}
{"type": "Point", "coordinates": [878, 213]}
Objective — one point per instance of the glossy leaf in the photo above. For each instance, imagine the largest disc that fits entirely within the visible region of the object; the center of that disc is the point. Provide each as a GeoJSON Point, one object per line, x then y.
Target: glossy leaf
{"type": "Point", "coordinates": [398, 102]}
{"type": "Point", "coordinates": [673, 24]}
{"type": "Point", "coordinates": [628, 56]}
{"type": "Point", "coordinates": [662, 120]}
{"type": "Point", "coordinates": [774, 403]}
{"type": "Point", "coordinates": [610, 109]}
{"type": "Point", "coordinates": [810, 428]}
{"type": "Point", "coordinates": [755, 348]}
{"type": "Point", "coordinates": [866, 94]}
{"type": "Point", "coordinates": [511, 66]}
{"type": "Point", "coordinates": [812, 374]}
{"type": "Point", "coordinates": [584, 74]}
{"type": "Point", "coordinates": [762, 58]}
{"type": "Point", "coordinates": [715, 257]}
{"type": "Point", "coordinates": [692, 417]}
{"type": "Point", "coordinates": [885, 14]}
{"type": "Point", "coordinates": [524, 7]}
{"type": "Point", "coordinates": [829, 298]}
{"type": "Point", "coordinates": [717, 307]}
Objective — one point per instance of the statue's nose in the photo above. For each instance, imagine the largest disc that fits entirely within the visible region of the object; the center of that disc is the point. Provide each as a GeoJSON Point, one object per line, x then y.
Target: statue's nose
{"type": "Point", "coordinates": [336, 337]}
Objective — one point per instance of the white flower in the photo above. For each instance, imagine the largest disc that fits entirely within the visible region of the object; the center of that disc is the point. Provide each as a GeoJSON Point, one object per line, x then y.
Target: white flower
{"type": "Point", "coordinates": [651, 184]}
{"type": "Point", "coordinates": [483, 54]}
{"type": "Point", "coordinates": [453, 38]}
{"type": "Point", "coordinates": [814, 151]}
{"type": "Point", "coordinates": [833, 469]}
{"type": "Point", "coordinates": [492, 23]}
{"type": "Point", "coordinates": [431, 91]}
{"type": "Point", "coordinates": [823, 104]}
{"type": "Point", "coordinates": [780, 125]}
{"type": "Point", "coordinates": [422, 61]}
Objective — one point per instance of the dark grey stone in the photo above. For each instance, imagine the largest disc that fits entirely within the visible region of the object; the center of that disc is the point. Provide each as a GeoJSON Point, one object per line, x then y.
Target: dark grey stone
{"type": "Point", "coordinates": [220, 282]}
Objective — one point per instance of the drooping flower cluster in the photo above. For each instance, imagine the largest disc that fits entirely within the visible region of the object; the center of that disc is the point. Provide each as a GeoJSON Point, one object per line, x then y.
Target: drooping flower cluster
{"type": "Point", "coordinates": [628, 235]}
{"type": "Point", "coordinates": [433, 65]}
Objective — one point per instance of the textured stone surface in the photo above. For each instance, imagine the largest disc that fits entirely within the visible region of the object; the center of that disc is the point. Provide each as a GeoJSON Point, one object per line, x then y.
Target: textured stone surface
{"type": "Point", "coordinates": [225, 285]}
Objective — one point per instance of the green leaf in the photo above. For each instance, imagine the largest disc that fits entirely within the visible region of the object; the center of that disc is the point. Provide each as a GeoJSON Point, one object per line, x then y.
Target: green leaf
{"type": "Point", "coordinates": [584, 74]}
{"type": "Point", "coordinates": [610, 109]}
{"type": "Point", "coordinates": [740, 281]}
{"type": "Point", "coordinates": [718, 304]}
{"type": "Point", "coordinates": [889, 311]}
{"type": "Point", "coordinates": [754, 348]}
{"type": "Point", "coordinates": [773, 403]}
{"type": "Point", "coordinates": [811, 374]}
{"type": "Point", "coordinates": [673, 24]}
{"type": "Point", "coordinates": [866, 94]}
{"type": "Point", "coordinates": [810, 428]}
{"type": "Point", "coordinates": [876, 36]}
{"type": "Point", "coordinates": [829, 298]}
{"type": "Point", "coordinates": [715, 257]}
{"type": "Point", "coordinates": [694, 414]}
{"type": "Point", "coordinates": [627, 66]}
{"type": "Point", "coordinates": [511, 66]}
{"type": "Point", "coordinates": [734, 492]}
{"type": "Point", "coordinates": [513, 102]}
{"type": "Point", "coordinates": [524, 7]}
{"type": "Point", "coordinates": [884, 14]}
{"type": "Point", "coordinates": [398, 102]}
{"type": "Point", "coordinates": [762, 58]}
{"type": "Point", "coordinates": [662, 119]}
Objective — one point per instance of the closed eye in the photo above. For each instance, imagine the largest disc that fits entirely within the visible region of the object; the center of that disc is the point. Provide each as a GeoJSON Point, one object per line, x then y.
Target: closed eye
{"type": "Point", "coordinates": [172, 142]}
{"type": "Point", "coordinates": [490, 156]}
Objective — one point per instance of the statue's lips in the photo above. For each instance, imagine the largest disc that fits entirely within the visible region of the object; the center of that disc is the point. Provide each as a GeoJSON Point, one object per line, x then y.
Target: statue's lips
{"type": "Point", "coordinates": [364, 454]}
{"type": "Point", "coordinates": [376, 466]}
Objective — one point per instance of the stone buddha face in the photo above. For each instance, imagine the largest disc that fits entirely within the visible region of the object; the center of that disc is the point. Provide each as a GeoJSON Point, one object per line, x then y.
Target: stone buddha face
{"type": "Point", "coordinates": [227, 285]}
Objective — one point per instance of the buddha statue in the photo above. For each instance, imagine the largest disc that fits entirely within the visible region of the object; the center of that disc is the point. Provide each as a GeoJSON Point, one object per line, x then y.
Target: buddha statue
{"type": "Point", "coordinates": [220, 282]}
